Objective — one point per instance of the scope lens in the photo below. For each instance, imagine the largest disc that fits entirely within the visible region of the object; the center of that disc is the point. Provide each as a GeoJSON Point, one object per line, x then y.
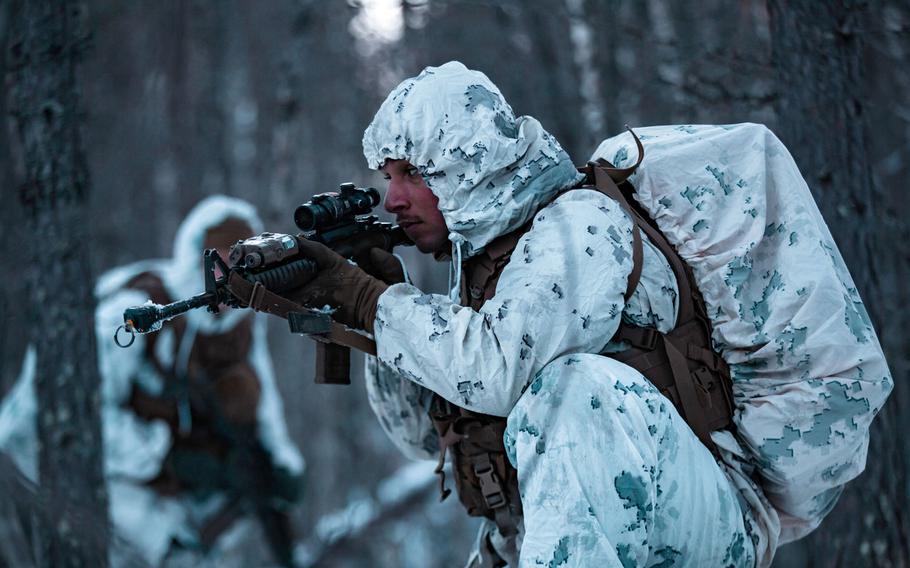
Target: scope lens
{"type": "Point", "coordinates": [305, 218]}
{"type": "Point", "coordinates": [374, 196]}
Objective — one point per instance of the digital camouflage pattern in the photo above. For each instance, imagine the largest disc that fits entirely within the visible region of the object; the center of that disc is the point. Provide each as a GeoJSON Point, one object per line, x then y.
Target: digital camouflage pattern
{"type": "Point", "coordinates": [609, 473]}
{"type": "Point", "coordinates": [809, 373]}
{"type": "Point", "coordinates": [489, 169]}
{"type": "Point", "coordinates": [661, 500]}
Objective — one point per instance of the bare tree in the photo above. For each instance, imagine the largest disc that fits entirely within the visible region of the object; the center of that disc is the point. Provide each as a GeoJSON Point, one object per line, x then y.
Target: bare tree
{"type": "Point", "coordinates": [12, 345]}
{"type": "Point", "coordinates": [48, 39]}
{"type": "Point", "coordinates": [817, 51]}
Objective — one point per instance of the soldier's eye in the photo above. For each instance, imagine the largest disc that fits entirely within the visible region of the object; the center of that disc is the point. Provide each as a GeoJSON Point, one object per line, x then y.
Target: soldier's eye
{"type": "Point", "coordinates": [412, 171]}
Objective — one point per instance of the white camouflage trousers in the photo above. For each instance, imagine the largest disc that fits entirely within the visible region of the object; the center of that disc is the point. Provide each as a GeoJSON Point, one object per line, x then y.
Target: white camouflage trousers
{"type": "Point", "coordinates": [611, 476]}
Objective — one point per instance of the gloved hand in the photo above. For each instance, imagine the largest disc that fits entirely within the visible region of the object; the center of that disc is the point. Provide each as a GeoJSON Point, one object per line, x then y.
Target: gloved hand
{"type": "Point", "coordinates": [381, 264]}
{"type": "Point", "coordinates": [342, 285]}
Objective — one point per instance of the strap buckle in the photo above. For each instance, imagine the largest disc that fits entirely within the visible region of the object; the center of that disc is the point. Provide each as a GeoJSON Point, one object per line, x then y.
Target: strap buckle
{"type": "Point", "coordinates": [640, 337]}
{"type": "Point", "coordinates": [490, 487]}
{"type": "Point", "coordinates": [256, 295]}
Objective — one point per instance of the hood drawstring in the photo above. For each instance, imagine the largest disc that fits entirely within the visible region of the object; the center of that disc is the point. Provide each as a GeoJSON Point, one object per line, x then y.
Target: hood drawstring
{"type": "Point", "coordinates": [455, 282]}
{"type": "Point", "coordinates": [404, 268]}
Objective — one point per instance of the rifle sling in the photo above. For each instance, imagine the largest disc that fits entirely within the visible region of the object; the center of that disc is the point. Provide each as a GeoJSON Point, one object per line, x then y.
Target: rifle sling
{"type": "Point", "coordinates": [261, 299]}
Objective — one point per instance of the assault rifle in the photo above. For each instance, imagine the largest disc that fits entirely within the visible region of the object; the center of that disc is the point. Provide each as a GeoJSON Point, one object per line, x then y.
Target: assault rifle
{"type": "Point", "coordinates": [264, 266]}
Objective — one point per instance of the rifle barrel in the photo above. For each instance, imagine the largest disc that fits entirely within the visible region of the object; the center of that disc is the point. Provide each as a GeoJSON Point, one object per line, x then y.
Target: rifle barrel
{"type": "Point", "coordinates": [148, 317]}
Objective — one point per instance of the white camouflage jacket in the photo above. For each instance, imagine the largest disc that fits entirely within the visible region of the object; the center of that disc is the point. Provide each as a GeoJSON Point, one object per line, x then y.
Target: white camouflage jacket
{"type": "Point", "coordinates": [561, 293]}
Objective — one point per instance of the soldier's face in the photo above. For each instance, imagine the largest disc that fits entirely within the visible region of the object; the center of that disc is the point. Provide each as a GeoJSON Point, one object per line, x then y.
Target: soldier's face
{"type": "Point", "coordinates": [415, 207]}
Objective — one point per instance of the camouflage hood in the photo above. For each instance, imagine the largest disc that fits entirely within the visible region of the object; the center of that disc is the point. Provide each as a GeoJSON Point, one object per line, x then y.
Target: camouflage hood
{"type": "Point", "coordinates": [489, 169]}
{"type": "Point", "coordinates": [186, 276]}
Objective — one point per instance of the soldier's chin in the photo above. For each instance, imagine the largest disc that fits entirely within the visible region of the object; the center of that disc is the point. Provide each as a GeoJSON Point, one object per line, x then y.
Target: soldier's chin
{"type": "Point", "coordinates": [430, 245]}
{"type": "Point", "coordinates": [423, 247]}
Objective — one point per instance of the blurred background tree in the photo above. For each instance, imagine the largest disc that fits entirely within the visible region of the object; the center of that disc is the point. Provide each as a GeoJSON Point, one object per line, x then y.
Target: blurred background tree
{"type": "Point", "coordinates": [47, 41]}
{"type": "Point", "coordinates": [268, 101]}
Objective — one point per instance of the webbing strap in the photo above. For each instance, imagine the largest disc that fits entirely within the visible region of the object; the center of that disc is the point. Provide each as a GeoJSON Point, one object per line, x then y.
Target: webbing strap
{"type": "Point", "coordinates": [620, 175]}
{"type": "Point", "coordinates": [686, 309]}
{"type": "Point", "coordinates": [260, 299]}
{"type": "Point", "coordinates": [605, 184]}
{"type": "Point", "coordinates": [685, 388]}
{"type": "Point", "coordinates": [445, 441]}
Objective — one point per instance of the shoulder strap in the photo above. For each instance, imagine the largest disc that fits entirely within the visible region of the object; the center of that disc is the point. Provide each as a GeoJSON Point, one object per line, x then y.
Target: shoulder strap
{"type": "Point", "coordinates": [686, 363]}
{"type": "Point", "coordinates": [481, 272]}
{"type": "Point", "coordinates": [643, 221]}
{"type": "Point", "coordinates": [605, 178]}
{"type": "Point", "coordinates": [605, 184]}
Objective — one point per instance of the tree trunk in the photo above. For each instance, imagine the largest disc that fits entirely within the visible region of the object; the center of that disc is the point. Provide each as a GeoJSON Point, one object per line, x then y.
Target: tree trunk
{"type": "Point", "coordinates": [610, 82]}
{"type": "Point", "coordinates": [48, 38]}
{"type": "Point", "coordinates": [12, 233]}
{"type": "Point", "coordinates": [817, 51]}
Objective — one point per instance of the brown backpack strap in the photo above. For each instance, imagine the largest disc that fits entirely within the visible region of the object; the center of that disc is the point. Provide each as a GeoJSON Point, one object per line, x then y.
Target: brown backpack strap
{"type": "Point", "coordinates": [620, 175]}
{"type": "Point", "coordinates": [605, 184]}
{"type": "Point", "coordinates": [643, 221]}
{"type": "Point", "coordinates": [481, 272]}
{"type": "Point", "coordinates": [605, 177]}
{"type": "Point", "coordinates": [681, 363]}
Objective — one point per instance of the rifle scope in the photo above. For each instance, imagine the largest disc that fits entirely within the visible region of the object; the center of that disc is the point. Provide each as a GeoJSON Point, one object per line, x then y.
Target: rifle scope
{"type": "Point", "coordinates": [329, 209]}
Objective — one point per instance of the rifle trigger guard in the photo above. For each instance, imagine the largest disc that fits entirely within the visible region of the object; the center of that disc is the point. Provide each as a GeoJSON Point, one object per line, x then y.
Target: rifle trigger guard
{"type": "Point", "coordinates": [117, 337]}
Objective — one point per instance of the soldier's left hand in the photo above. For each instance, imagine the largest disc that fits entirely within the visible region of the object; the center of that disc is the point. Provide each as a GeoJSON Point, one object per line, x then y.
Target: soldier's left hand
{"type": "Point", "coordinates": [383, 265]}
{"type": "Point", "coordinates": [341, 285]}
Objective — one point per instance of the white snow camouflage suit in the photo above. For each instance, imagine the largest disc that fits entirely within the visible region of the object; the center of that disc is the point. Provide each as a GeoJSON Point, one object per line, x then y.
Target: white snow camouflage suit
{"type": "Point", "coordinates": [134, 449]}
{"type": "Point", "coordinates": [609, 473]}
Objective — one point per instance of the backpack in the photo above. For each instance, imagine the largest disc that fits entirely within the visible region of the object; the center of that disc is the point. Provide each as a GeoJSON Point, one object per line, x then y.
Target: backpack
{"type": "Point", "coordinates": [807, 369]}
{"type": "Point", "coordinates": [679, 363]}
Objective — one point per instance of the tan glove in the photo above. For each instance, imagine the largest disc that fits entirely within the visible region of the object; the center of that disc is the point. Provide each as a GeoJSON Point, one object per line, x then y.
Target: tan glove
{"type": "Point", "coordinates": [381, 264]}
{"type": "Point", "coordinates": [341, 285]}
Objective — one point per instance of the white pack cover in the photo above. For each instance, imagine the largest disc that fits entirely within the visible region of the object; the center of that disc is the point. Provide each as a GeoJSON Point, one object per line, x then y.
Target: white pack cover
{"type": "Point", "coordinates": [808, 372]}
